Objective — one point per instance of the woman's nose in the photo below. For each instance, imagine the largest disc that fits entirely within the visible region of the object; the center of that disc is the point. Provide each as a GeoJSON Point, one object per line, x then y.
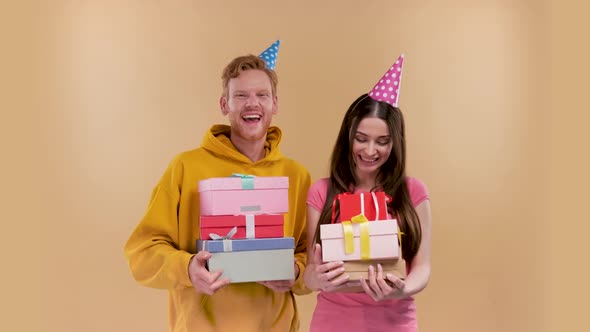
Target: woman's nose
{"type": "Point", "coordinates": [370, 149]}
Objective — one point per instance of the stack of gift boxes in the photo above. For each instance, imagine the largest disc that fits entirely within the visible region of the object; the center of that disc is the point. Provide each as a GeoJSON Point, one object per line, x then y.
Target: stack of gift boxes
{"type": "Point", "coordinates": [241, 225]}
{"type": "Point", "coordinates": [364, 237]}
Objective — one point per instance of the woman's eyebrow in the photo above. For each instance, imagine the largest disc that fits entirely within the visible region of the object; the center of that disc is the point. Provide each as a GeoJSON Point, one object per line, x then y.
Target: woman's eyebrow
{"type": "Point", "coordinates": [384, 136]}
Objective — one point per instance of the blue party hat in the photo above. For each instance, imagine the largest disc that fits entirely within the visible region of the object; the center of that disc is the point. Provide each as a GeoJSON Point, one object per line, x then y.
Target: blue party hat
{"type": "Point", "coordinates": [270, 55]}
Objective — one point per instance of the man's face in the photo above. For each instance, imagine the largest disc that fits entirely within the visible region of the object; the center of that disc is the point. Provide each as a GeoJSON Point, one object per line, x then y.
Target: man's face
{"type": "Point", "coordinates": [249, 104]}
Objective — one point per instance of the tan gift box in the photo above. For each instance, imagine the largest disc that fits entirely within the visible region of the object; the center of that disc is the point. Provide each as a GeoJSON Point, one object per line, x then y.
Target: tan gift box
{"type": "Point", "coordinates": [358, 269]}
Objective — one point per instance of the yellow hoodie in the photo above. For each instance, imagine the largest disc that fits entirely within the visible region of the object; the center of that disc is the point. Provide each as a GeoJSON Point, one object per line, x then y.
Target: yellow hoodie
{"type": "Point", "coordinates": [161, 246]}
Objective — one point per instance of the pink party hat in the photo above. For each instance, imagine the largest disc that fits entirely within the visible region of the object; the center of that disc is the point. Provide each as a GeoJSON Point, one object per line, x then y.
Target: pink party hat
{"type": "Point", "coordinates": [387, 89]}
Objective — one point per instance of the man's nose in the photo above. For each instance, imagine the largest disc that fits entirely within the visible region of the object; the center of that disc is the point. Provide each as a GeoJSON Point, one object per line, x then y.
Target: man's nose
{"type": "Point", "coordinates": [252, 100]}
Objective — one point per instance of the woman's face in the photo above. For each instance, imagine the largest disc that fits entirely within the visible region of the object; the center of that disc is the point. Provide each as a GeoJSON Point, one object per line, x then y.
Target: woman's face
{"type": "Point", "coordinates": [371, 146]}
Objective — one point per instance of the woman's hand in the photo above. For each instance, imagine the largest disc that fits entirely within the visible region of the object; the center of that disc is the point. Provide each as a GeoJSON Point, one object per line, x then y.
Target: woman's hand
{"type": "Point", "coordinates": [381, 287]}
{"type": "Point", "coordinates": [323, 276]}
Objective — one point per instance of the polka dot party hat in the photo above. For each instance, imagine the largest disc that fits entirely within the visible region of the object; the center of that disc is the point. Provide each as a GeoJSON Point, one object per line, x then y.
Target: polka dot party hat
{"type": "Point", "coordinates": [387, 88]}
{"type": "Point", "coordinates": [270, 55]}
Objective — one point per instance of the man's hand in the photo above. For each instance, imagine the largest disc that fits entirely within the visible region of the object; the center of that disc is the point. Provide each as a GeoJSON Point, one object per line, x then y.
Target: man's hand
{"type": "Point", "coordinates": [202, 280]}
{"type": "Point", "coordinates": [282, 285]}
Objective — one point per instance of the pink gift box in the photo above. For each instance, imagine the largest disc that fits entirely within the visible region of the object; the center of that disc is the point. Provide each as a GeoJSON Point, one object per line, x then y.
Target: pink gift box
{"type": "Point", "coordinates": [365, 204]}
{"type": "Point", "coordinates": [383, 239]}
{"type": "Point", "coordinates": [247, 226]}
{"type": "Point", "coordinates": [244, 195]}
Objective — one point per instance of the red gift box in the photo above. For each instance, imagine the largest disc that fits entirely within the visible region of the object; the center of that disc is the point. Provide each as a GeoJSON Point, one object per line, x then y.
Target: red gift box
{"type": "Point", "coordinates": [372, 205]}
{"type": "Point", "coordinates": [248, 226]}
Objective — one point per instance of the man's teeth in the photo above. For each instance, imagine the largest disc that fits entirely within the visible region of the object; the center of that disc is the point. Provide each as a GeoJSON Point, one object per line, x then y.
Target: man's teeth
{"type": "Point", "coordinates": [251, 117]}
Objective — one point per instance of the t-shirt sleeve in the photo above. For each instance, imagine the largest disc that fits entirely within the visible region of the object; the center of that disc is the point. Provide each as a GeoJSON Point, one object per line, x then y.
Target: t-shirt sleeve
{"type": "Point", "coordinates": [418, 191]}
{"type": "Point", "coordinates": [316, 196]}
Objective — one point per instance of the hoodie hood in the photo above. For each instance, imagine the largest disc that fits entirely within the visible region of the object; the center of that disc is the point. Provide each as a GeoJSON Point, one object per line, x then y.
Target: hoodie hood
{"type": "Point", "coordinates": [217, 141]}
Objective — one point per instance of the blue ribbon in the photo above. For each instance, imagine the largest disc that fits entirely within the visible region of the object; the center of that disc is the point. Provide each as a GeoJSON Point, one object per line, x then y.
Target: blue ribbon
{"type": "Point", "coordinates": [247, 180]}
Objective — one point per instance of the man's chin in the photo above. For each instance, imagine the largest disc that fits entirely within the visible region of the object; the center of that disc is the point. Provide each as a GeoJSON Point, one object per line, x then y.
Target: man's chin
{"type": "Point", "coordinates": [253, 135]}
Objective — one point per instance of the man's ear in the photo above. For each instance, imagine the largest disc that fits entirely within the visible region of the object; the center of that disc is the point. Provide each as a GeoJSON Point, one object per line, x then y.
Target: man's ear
{"type": "Point", "coordinates": [223, 105]}
{"type": "Point", "coordinates": [275, 104]}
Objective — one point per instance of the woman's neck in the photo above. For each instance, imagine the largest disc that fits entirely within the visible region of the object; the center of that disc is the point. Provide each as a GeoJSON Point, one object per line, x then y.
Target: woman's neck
{"type": "Point", "coordinates": [365, 182]}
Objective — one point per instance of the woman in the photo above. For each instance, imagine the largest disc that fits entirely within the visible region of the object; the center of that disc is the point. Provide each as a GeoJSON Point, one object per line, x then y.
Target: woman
{"type": "Point", "coordinates": [370, 155]}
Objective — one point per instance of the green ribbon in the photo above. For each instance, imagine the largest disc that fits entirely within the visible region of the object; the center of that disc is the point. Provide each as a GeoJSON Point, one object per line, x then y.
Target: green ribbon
{"type": "Point", "coordinates": [247, 180]}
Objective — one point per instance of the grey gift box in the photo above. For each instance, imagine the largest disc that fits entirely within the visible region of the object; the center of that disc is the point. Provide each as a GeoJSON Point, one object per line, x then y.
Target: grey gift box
{"type": "Point", "coordinates": [251, 260]}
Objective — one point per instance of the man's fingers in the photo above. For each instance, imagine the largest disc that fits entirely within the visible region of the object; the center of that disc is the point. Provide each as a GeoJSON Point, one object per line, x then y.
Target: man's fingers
{"type": "Point", "coordinates": [209, 282]}
{"type": "Point", "coordinates": [279, 285]}
{"type": "Point", "coordinates": [210, 277]}
{"type": "Point", "coordinates": [279, 288]}
{"type": "Point", "coordinates": [202, 257]}
{"type": "Point", "coordinates": [218, 284]}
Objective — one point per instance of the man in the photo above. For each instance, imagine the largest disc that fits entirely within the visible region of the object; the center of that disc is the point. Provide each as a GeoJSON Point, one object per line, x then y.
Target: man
{"type": "Point", "coordinates": [161, 250]}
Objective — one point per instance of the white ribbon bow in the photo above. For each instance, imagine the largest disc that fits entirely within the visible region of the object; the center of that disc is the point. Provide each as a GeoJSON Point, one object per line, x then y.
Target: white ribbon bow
{"type": "Point", "coordinates": [227, 241]}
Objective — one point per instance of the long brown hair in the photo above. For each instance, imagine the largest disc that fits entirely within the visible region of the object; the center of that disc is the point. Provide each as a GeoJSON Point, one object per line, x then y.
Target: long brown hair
{"type": "Point", "coordinates": [391, 177]}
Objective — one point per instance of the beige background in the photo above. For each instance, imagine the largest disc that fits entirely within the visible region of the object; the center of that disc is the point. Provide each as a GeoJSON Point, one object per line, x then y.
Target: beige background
{"type": "Point", "coordinates": [98, 96]}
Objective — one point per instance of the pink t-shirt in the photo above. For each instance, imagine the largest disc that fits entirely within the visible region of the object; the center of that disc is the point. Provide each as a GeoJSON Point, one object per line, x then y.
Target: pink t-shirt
{"type": "Point", "coordinates": [358, 311]}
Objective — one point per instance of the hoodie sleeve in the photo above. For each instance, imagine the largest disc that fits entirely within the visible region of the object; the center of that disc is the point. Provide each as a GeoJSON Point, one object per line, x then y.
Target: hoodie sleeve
{"type": "Point", "coordinates": [300, 234]}
{"type": "Point", "coordinates": [152, 249]}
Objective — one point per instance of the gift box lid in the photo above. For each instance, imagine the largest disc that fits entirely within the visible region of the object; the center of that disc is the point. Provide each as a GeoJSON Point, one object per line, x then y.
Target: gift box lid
{"type": "Point", "coordinates": [239, 182]}
{"type": "Point", "coordinates": [246, 244]}
{"type": "Point", "coordinates": [240, 220]}
{"type": "Point", "coordinates": [379, 227]}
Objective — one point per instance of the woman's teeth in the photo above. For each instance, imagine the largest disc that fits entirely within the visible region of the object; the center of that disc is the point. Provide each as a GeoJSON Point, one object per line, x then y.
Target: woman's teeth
{"type": "Point", "coordinates": [368, 160]}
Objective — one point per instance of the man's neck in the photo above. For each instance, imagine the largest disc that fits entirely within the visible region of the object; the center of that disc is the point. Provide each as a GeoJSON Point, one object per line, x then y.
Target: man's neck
{"type": "Point", "coordinates": [254, 150]}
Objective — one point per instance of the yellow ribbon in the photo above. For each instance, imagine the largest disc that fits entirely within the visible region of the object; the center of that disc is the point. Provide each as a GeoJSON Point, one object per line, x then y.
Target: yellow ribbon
{"type": "Point", "coordinates": [399, 235]}
{"type": "Point", "coordinates": [399, 239]}
{"type": "Point", "coordinates": [349, 236]}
